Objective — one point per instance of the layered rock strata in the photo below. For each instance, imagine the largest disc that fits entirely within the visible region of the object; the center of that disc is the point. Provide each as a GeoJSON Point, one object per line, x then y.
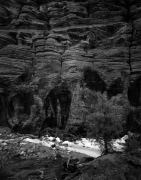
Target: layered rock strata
{"type": "Point", "coordinates": [86, 45]}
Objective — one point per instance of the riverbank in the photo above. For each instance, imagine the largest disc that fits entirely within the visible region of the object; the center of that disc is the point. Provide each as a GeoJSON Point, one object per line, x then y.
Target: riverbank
{"type": "Point", "coordinates": [25, 157]}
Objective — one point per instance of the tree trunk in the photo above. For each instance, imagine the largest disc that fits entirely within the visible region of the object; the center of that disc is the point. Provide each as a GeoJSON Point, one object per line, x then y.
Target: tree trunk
{"type": "Point", "coordinates": [105, 146]}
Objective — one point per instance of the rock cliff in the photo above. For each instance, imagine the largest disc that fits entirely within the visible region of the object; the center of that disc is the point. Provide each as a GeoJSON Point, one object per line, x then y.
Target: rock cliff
{"type": "Point", "coordinates": [51, 51]}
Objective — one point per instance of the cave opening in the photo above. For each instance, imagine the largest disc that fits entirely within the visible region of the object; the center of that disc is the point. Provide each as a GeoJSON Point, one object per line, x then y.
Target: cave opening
{"type": "Point", "coordinates": [93, 81]}
{"type": "Point", "coordinates": [57, 107]}
{"type": "Point", "coordinates": [133, 122]}
{"type": "Point", "coordinates": [19, 109]}
{"type": "Point", "coordinates": [115, 88]}
{"type": "Point", "coordinates": [20, 104]}
{"type": "Point", "coordinates": [3, 110]}
{"type": "Point", "coordinates": [134, 92]}
{"type": "Point", "coordinates": [15, 105]}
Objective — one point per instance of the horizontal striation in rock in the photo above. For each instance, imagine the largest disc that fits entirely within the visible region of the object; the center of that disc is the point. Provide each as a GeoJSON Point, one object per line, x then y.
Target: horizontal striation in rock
{"type": "Point", "coordinates": [135, 41]}
{"type": "Point", "coordinates": [14, 60]}
{"type": "Point", "coordinates": [44, 43]}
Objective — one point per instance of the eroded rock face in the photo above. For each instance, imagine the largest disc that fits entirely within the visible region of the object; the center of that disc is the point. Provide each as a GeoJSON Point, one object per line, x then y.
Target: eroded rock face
{"type": "Point", "coordinates": [86, 44]}
{"type": "Point", "coordinates": [57, 107]}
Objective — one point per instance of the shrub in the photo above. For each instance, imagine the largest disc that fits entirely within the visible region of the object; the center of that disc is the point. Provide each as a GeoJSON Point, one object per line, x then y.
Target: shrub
{"type": "Point", "coordinates": [133, 142]}
{"type": "Point", "coordinates": [105, 120]}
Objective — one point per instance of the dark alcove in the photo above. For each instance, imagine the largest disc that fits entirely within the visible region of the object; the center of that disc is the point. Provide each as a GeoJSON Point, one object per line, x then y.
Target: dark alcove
{"type": "Point", "coordinates": [134, 121]}
{"type": "Point", "coordinates": [20, 103]}
{"type": "Point", "coordinates": [134, 93]}
{"type": "Point", "coordinates": [93, 80]}
{"type": "Point", "coordinates": [19, 108]}
{"type": "Point", "coordinates": [57, 107]}
{"type": "Point", "coordinates": [3, 110]}
{"type": "Point", "coordinates": [15, 104]}
{"type": "Point", "coordinates": [115, 88]}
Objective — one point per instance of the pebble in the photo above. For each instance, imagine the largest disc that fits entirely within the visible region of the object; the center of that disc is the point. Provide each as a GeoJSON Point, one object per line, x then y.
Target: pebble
{"type": "Point", "coordinates": [4, 144]}
{"type": "Point", "coordinates": [58, 139]}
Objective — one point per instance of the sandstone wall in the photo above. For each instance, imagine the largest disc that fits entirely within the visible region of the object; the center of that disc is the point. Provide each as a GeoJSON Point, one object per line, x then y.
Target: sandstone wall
{"type": "Point", "coordinates": [67, 47]}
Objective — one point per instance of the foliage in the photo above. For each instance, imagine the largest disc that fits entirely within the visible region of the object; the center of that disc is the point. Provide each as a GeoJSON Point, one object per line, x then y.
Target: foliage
{"type": "Point", "coordinates": [105, 120]}
{"type": "Point", "coordinates": [133, 149]}
{"type": "Point", "coordinates": [133, 142]}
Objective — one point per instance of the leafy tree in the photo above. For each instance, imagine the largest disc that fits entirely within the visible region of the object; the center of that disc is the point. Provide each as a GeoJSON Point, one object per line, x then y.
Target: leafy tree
{"type": "Point", "coordinates": [106, 119]}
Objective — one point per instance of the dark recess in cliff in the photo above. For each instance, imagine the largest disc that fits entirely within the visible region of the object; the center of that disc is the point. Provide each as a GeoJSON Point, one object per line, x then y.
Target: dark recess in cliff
{"type": "Point", "coordinates": [134, 121]}
{"type": "Point", "coordinates": [14, 36]}
{"type": "Point", "coordinates": [134, 93]}
{"type": "Point", "coordinates": [115, 88]}
{"type": "Point", "coordinates": [20, 104]}
{"type": "Point", "coordinates": [4, 102]}
{"type": "Point", "coordinates": [25, 76]}
{"type": "Point", "coordinates": [93, 80]}
{"type": "Point", "coordinates": [3, 110]}
{"type": "Point", "coordinates": [57, 107]}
